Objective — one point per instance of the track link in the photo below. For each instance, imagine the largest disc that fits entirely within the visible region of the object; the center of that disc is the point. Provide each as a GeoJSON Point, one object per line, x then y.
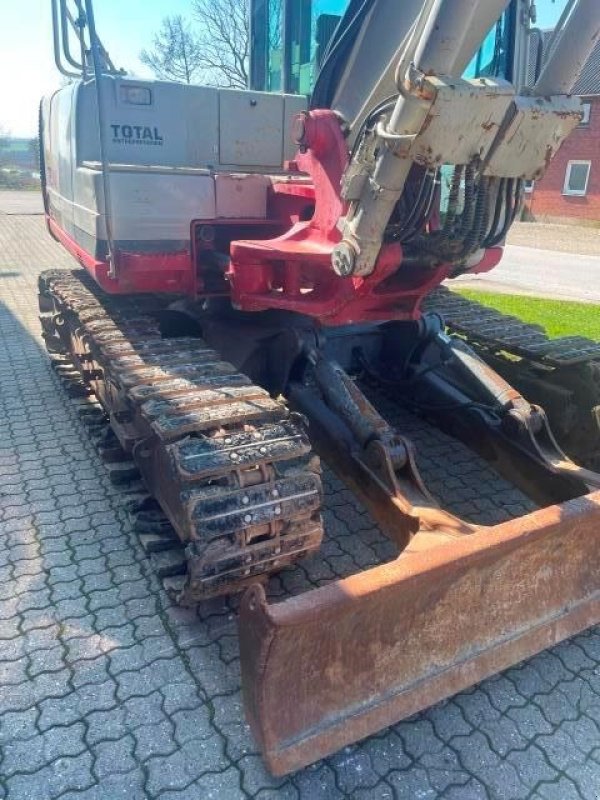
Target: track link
{"type": "Point", "coordinates": [562, 375]}
{"type": "Point", "coordinates": [230, 468]}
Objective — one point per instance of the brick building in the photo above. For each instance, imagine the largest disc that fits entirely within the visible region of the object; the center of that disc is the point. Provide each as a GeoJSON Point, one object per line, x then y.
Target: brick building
{"type": "Point", "coordinates": [571, 186]}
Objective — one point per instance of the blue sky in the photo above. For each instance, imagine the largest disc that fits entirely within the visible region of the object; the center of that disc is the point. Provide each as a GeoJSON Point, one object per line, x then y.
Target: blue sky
{"type": "Point", "coordinates": [126, 26]}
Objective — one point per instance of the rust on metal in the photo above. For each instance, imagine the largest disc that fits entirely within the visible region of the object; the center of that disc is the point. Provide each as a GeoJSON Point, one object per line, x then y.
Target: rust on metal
{"type": "Point", "coordinates": [231, 469]}
{"type": "Point", "coordinates": [336, 664]}
{"type": "Point", "coordinates": [233, 472]}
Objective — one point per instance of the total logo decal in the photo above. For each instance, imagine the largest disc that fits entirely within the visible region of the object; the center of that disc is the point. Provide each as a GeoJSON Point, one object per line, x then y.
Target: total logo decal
{"type": "Point", "coordinates": [136, 134]}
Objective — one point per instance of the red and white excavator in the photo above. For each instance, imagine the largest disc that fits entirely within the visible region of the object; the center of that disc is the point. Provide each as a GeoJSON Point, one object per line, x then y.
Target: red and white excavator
{"type": "Point", "coordinates": [250, 256]}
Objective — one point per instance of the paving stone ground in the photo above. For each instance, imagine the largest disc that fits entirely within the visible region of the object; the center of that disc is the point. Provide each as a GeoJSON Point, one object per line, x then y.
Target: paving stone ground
{"type": "Point", "coordinates": [108, 691]}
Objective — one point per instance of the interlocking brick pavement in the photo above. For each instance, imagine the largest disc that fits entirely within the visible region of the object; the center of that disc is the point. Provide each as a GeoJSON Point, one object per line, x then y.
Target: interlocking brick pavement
{"type": "Point", "coordinates": [108, 691]}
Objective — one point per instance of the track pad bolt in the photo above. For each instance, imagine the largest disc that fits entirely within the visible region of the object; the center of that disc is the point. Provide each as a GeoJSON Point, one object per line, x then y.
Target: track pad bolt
{"type": "Point", "coordinates": [245, 499]}
{"type": "Point", "coordinates": [248, 518]}
{"type": "Point", "coordinates": [277, 510]}
{"type": "Point", "coordinates": [233, 456]}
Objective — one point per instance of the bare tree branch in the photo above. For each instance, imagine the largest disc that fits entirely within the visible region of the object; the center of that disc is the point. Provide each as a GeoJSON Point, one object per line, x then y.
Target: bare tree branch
{"type": "Point", "coordinates": [176, 54]}
{"type": "Point", "coordinates": [224, 41]}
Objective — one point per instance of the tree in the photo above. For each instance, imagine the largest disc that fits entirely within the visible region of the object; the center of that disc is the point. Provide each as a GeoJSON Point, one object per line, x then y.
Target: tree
{"type": "Point", "coordinates": [176, 54]}
{"type": "Point", "coordinates": [224, 41]}
{"type": "Point", "coordinates": [34, 151]}
{"type": "Point", "coordinates": [4, 144]}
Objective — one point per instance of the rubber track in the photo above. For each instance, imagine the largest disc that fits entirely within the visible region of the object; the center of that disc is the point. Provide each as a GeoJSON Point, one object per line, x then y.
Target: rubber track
{"type": "Point", "coordinates": [502, 331]}
{"type": "Point", "coordinates": [231, 469]}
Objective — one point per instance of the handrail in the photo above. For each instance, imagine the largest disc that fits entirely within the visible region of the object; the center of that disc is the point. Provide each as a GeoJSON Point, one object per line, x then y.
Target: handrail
{"type": "Point", "coordinates": [62, 21]}
{"type": "Point", "coordinates": [76, 18]}
{"type": "Point", "coordinates": [57, 27]}
{"type": "Point", "coordinates": [64, 32]}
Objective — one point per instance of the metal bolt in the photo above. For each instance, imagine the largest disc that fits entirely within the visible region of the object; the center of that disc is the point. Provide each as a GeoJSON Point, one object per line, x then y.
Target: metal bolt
{"type": "Point", "coordinates": [277, 510]}
{"type": "Point", "coordinates": [227, 440]}
{"type": "Point", "coordinates": [248, 518]}
{"type": "Point", "coordinates": [262, 450]}
{"type": "Point", "coordinates": [245, 499]}
{"type": "Point", "coordinates": [233, 456]}
{"type": "Point", "coordinates": [277, 550]}
{"type": "Point", "coordinates": [343, 259]}
{"type": "Point", "coordinates": [275, 493]}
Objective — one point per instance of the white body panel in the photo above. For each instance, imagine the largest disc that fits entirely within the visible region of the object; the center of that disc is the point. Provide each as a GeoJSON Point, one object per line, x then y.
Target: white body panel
{"type": "Point", "coordinates": [171, 150]}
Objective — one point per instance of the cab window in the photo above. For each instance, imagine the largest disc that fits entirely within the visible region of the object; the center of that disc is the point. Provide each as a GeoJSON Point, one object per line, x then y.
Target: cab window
{"type": "Point", "coordinates": [289, 39]}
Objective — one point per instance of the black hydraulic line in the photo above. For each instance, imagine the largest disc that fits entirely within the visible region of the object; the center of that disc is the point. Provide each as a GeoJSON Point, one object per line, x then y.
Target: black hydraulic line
{"type": "Point", "coordinates": [519, 192]}
{"type": "Point", "coordinates": [472, 233]}
{"type": "Point", "coordinates": [435, 185]}
{"type": "Point", "coordinates": [482, 214]}
{"type": "Point", "coordinates": [337, 52]}
{"type": "Point", "coordinates": [424, 216]}
{"type": "Point", "coordinates": [468, 215]}
{"type": "Point", "coordinates": [500, 205]}
{"type": "Point", "coordinates": [409, 228]}
{"type": "Point", "coordinates": [453, 200]}
{"type": "Point", "coordinates": [419, 204]}
{"type": "Point", "coordinates": [508, 216]}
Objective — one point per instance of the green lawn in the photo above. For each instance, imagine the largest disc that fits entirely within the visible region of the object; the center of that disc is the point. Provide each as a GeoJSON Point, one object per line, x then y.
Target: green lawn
{"type": "Point", "coordinates": [558, 317]}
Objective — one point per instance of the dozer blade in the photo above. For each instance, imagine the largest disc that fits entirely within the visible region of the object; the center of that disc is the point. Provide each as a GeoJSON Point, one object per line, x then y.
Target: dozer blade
{"type": "Point", "coordinates": [331, 666]}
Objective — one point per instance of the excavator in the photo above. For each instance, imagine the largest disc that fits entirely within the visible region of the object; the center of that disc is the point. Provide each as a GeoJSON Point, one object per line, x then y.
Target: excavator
{"type": "Point", "coordinates": [254, 262]}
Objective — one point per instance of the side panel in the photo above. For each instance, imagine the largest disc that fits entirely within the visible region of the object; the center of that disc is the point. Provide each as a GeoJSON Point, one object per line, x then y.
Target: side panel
{"type": "Point", "coordinates": [177, 126]}
{"type": "Point", "coordinates": [58, 153]}
{"type": "Point", "coordinates": [250, 128]}
{"type": "Point", "coordinates": [150, 209]}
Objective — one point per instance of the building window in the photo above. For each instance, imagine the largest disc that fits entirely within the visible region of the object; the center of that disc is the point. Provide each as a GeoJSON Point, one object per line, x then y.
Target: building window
{"type": "Point", "coordinates": [577, 177]}
{"type": "Point", "coordinates": [587, 112]}
{"type": "Point", "coordinates": [529, 186]}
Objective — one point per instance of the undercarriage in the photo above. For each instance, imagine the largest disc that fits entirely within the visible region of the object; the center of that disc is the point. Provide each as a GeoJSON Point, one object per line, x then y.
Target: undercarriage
{"type": "Point", "coordinates": [230, 467]}
{"type": "Point", "coordinates": [188, 397]}
{"type": "Point", "coordinates": [257, 280]}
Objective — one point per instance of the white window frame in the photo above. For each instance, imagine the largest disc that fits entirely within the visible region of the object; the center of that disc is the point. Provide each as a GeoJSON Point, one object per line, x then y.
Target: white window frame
{"type": "Point", "coordinates": [529, 187]}
{"type": "Point", "coordinates": [575, 192]}
{"type": "Point", "coordinates": [587, 114]}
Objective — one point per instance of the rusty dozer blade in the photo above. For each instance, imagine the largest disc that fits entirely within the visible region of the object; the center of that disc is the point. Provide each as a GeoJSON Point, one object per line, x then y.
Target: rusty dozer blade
{"type": "Point", "coordinates": [331, 666]}
{"type": "Point", "coordinates": [461, 602]}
